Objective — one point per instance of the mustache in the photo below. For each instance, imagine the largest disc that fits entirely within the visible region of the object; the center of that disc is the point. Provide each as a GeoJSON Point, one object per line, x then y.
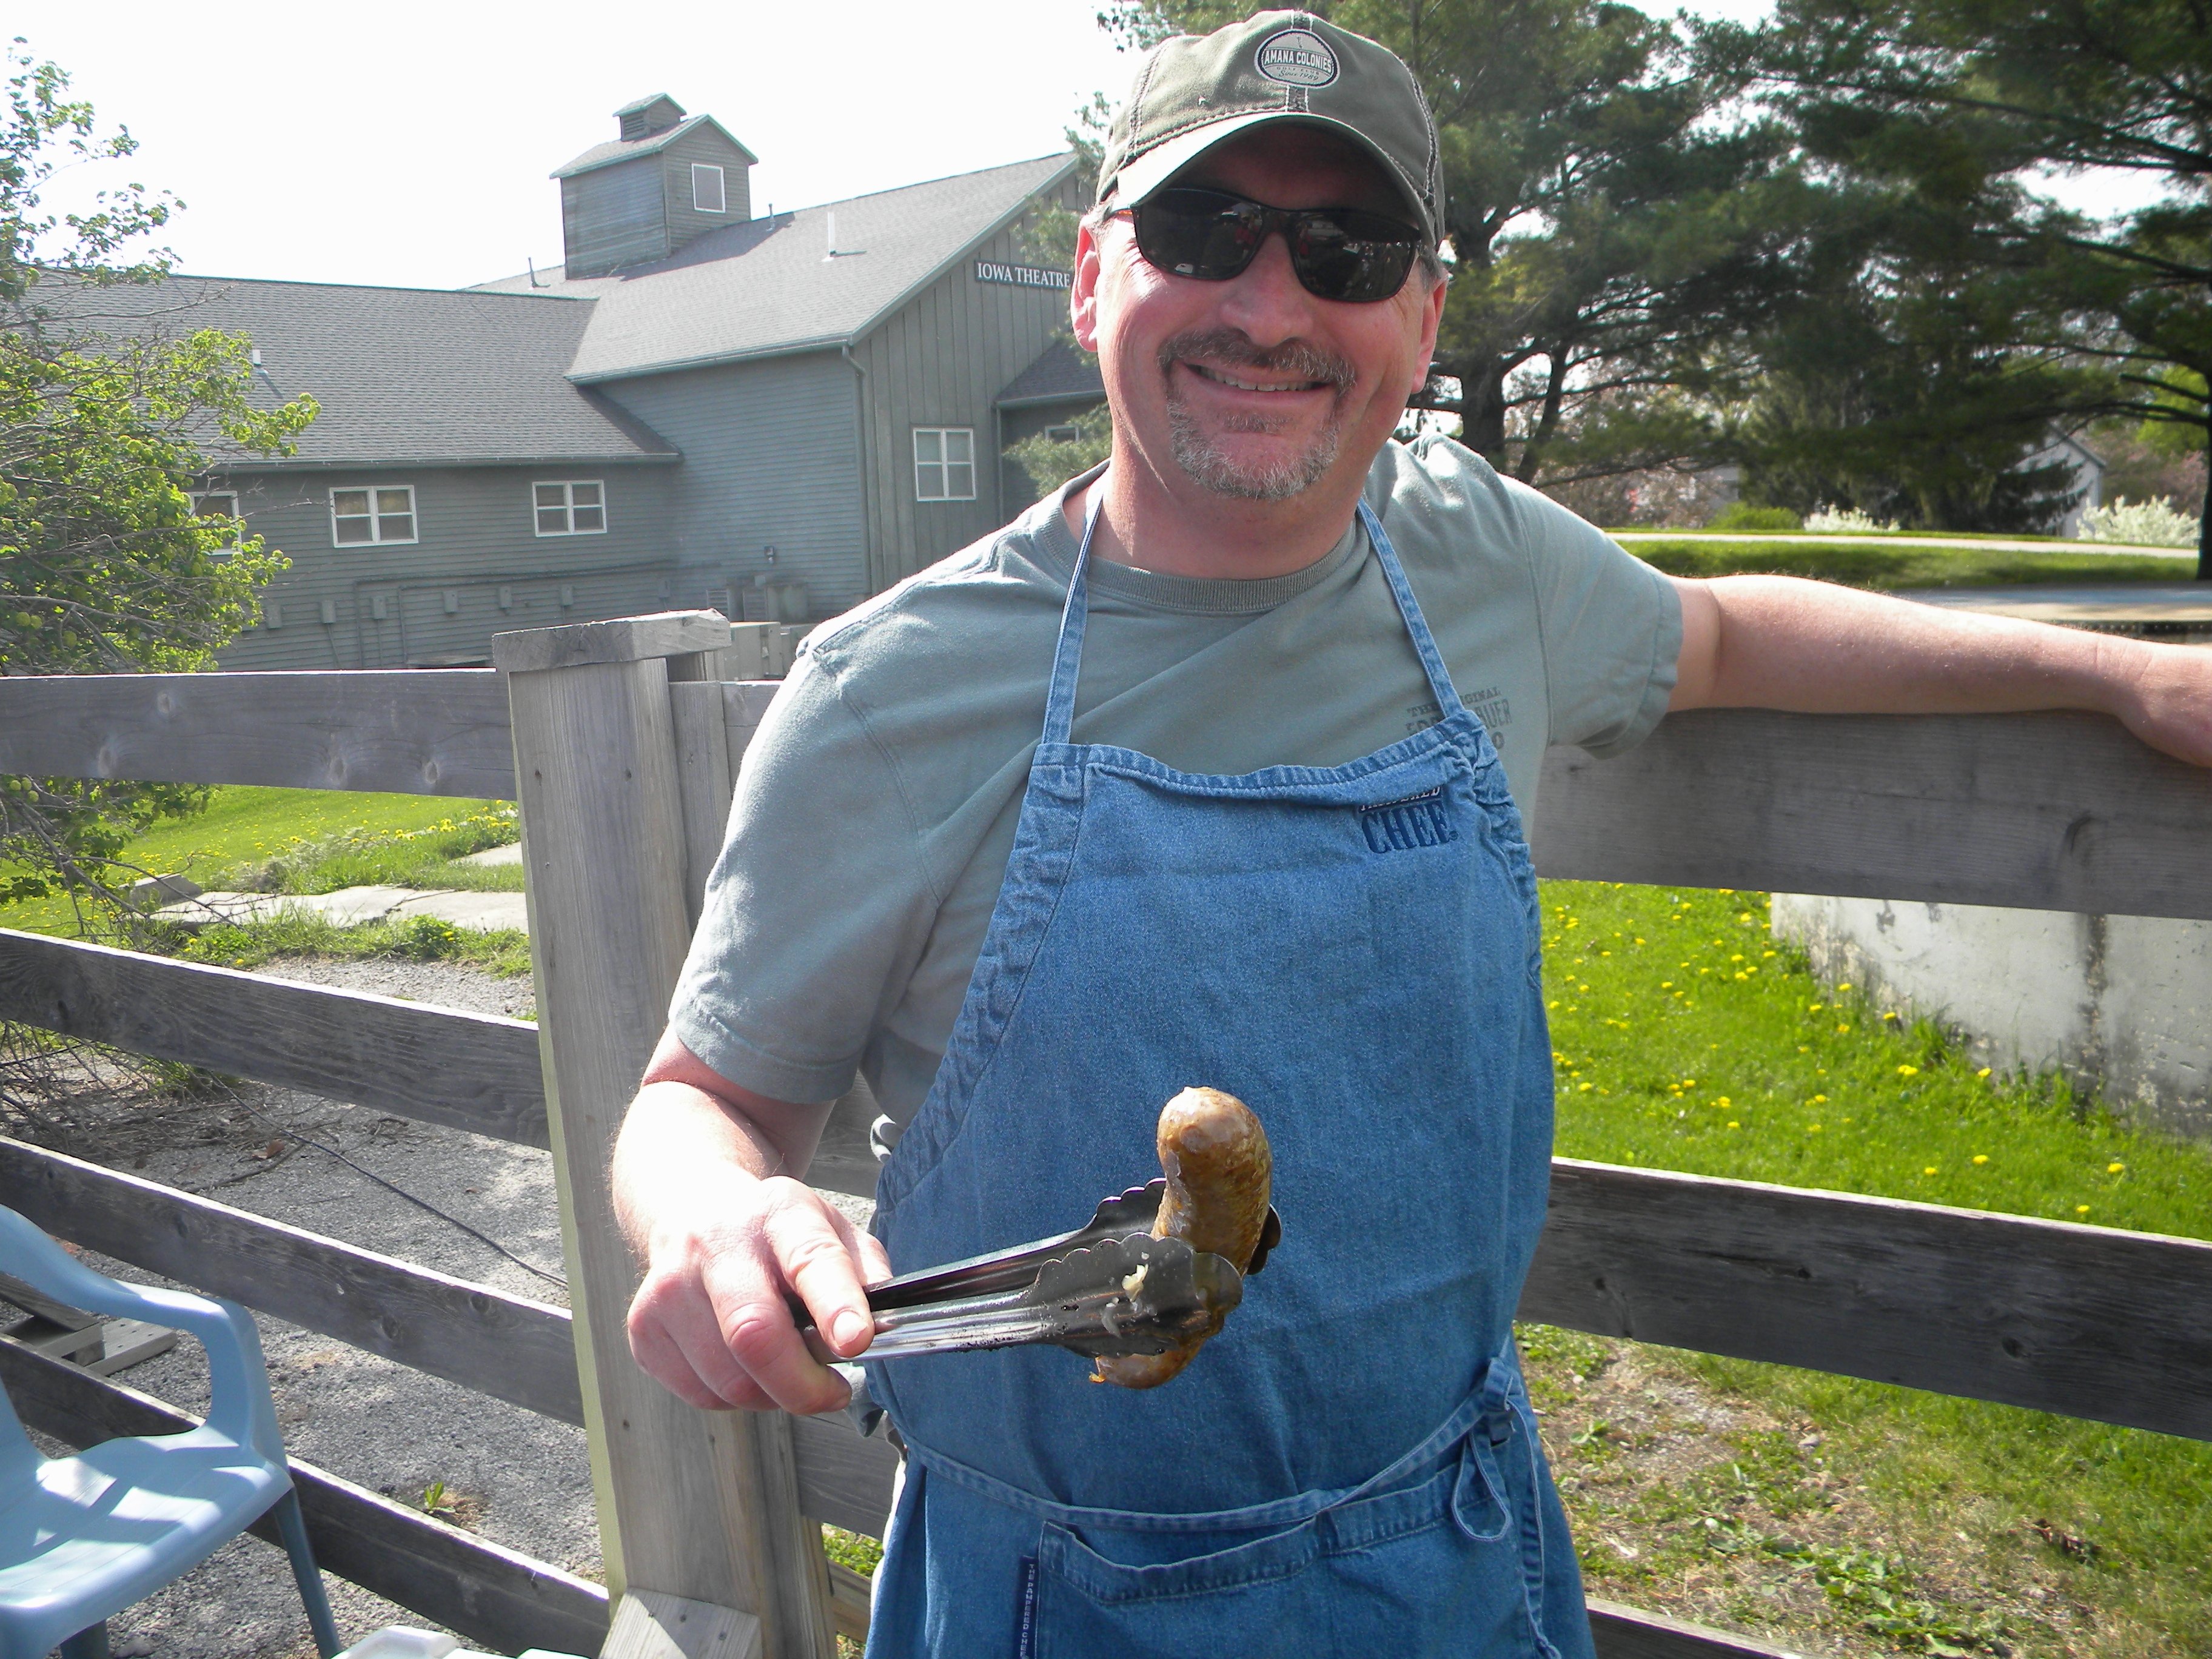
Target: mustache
{"type": "Point", "coordinates": [1229, 348]}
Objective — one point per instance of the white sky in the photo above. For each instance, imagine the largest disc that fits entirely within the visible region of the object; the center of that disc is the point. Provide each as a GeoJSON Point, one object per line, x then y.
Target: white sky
{"type": "Point", "coordinates": [408, 143]}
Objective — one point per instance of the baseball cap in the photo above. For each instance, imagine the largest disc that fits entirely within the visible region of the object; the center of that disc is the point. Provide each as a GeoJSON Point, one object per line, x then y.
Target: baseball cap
{"type": "Point", "coordinates": [1195, 91]}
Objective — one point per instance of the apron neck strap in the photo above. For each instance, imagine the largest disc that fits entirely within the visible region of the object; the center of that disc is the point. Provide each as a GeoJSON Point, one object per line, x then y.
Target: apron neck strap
{"type": "Point", "coordinates": [1067, 658]}
{"type": "Point", "coordinates": [1417, 625]}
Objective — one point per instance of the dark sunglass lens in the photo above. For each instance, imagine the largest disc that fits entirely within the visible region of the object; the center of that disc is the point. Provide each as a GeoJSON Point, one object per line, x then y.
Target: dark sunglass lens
{"type": "Point", "coordinates": [1353, 257]}
{"type": "Point", "coordinates": [1199, 233]}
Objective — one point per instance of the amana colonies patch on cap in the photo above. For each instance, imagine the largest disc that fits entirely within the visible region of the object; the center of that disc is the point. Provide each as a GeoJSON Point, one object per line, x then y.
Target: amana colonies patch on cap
{"type": "Point", "coordinates": [1297, 58]}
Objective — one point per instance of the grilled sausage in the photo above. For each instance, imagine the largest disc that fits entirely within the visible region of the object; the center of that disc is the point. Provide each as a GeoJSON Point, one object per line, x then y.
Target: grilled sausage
{"type": "Point", "coordinates": [1219, 1173]}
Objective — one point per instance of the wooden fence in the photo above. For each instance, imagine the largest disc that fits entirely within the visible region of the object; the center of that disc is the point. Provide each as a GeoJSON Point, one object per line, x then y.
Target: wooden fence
{"type": "Point", "coordinates": [620, 741]}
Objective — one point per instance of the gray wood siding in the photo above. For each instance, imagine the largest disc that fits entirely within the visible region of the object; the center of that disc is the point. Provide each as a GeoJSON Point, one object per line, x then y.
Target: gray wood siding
{"type": "Point", "coordinates": [771, 459]}
{"type": "Point", "coordinates": [477, 540]}
{"type": "Point", "coordinates": [613, 216]}
{"type": "Point", "coordinates": [939, 361]}
{"type": "Point", "coordinates": [704, 143]}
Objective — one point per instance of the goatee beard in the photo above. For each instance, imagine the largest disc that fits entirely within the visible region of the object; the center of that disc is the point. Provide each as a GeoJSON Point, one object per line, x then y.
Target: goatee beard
{"type": "Point", "coordinates": [1199, 452]}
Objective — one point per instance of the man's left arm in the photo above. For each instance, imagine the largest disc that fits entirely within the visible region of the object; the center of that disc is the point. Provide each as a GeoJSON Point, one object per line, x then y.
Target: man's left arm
{"type": "Point", "coordinates": [1779, 642]}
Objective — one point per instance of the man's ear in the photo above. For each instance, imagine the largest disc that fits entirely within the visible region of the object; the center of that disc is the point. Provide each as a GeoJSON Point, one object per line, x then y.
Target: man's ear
{"type": "Point", "coordinates": [1083, 293]}
{"type": "Point", "coordinates": [1432, 317]}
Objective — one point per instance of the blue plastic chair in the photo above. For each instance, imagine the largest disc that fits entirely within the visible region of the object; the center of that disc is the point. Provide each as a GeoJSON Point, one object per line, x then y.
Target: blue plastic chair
{"type": "Point", "coordinates": [83, 1538]}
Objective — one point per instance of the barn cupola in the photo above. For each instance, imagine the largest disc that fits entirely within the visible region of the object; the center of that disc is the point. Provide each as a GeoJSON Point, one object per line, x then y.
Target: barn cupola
{"type": "Point", "coordinates": [664, 179]}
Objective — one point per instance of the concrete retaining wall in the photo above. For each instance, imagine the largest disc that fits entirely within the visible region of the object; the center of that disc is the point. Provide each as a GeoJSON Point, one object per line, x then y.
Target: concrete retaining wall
{"type": "Point", "coordinates": [2123, 1003]}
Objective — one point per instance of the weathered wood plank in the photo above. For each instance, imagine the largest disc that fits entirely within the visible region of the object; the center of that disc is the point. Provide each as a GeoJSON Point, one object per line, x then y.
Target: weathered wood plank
{"type": "Point", "coordinates": [843, 1478]}
{"type": "Point", "coordinates": [649, 1624]}
{"type": "Point", "coordinates": [621, 639]}
{"type": "Point", "coordinates": [744, 705]}
{"type": "Point", "coordinates": [472, 1071]}
{"type": "Point", "coordinates": [2058, 812]}
{"type": "Point", "coordinates": [406, 732]}
{"type": "Point", "coordinates": [1624, 1634]}
{"type": "Point", "coordinates": [703, 779]}
{"type": "Point", "coordinates": [483, 1338]}
{"type": "Point", "coordinates": [491, 1594]}
{"type": "Point", "coordinates": [2090, 1322]}
{"type": "Point", "coordinates": [696, 1504]}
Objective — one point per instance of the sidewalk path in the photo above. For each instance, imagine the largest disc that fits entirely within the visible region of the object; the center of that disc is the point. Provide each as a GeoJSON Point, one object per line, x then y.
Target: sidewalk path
{"type": "Point", "coordinates": [350, 907]}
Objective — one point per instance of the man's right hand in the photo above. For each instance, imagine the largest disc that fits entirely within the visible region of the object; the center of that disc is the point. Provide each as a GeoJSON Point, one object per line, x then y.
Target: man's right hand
{"type": "Point", "coordinates": [724, 1237]}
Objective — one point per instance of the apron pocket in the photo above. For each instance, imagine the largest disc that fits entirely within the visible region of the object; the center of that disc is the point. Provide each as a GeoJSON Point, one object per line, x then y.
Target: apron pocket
{"type": "Point", "coordinates": [1432, 1569]}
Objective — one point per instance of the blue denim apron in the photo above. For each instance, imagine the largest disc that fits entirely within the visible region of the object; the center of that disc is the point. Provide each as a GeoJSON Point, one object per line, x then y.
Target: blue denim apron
{"type": "Point", "coordinates": [1353, 1464]}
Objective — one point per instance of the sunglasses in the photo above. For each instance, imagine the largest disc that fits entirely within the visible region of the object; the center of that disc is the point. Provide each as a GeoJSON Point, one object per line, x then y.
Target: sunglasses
{"type": "Point", "coordinates": [1338, 253]}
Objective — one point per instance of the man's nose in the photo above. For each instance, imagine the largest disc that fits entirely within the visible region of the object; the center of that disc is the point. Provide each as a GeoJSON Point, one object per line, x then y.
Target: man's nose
{"type": "Point", "coordinates": [1267, 302]}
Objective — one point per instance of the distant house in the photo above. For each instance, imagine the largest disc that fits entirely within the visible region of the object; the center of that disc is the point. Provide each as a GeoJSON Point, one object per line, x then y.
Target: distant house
{"type": "Point", "coordinates": [773, 416]}
{"type": "Point", "coordinates": [2085, 469]}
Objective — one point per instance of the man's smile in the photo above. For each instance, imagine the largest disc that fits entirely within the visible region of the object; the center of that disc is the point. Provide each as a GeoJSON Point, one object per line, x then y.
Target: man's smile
{"type": "Point", "coordinates": [1221, 377]}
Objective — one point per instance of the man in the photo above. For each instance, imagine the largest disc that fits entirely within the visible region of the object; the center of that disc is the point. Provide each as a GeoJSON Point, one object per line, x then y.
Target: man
{"type": "Point", "coordinates": [1079, 816]}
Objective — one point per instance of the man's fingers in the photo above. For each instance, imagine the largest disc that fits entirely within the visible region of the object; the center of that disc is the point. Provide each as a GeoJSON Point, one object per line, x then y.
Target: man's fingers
{"type": "Point", "coordinates": [814, 1245]}
{"type": "Point", "coordinates": [674, 1340]}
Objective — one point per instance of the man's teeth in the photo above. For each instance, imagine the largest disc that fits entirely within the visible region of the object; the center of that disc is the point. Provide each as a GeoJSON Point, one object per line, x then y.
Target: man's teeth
{"type": "Point", "coordinates": [1220, 379]}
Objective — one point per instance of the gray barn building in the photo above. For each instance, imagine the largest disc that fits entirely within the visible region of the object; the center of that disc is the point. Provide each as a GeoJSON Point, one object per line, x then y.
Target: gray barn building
{"type": "Point", "coordinates": [773, 416]}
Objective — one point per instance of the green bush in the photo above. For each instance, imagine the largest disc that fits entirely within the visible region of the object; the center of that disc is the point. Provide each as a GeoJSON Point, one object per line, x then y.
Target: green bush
{"type": "Point", "coordinates": [1743, 515]}
{"type": "Point", "coordinates": [427, 939]}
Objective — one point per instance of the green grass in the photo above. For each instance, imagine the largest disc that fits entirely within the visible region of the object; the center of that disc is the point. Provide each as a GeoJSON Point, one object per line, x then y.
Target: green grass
{"type": "Point", "coordinates": [503, 951]}
{"type": "Point", "coordinates": [308, 840]}
{"type": "Point", "coordinates": [1686, 1038]}
{"type": "Point", "coordinates": [1866, 562]}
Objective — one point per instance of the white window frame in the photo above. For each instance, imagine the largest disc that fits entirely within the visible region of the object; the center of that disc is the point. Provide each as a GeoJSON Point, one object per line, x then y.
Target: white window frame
{"type": "Point", "coordinates": [568, 506]}
{"type": "Point", "coordinates": [933, 474]}
{"type": "Point", "coordinates": [375, 516]}
{"type": "Point", "coordinates": [201, 509]}
{"type": "Point", "coordinates": [721, 189]}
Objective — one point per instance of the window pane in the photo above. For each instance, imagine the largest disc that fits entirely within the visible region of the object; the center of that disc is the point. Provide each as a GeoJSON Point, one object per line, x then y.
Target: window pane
{"type": "Point", "coordinates": [396, 527]}
{"type": "Point", "coordinates": [706, 188]}
{"type": "Point", "coordinates": [591, 518]}
{"type": "Point", "coordinates": [345, 530]}
{"type": "Point", "coordinates": [349, 502]}
{"type": "Point", "coordinates": [585, 494]}
{"type": "Point", "coordinates": [960, 446]}
{"type": "Point", "coordinates": [395, 501]}
{"type": "Point", "coordinates": [552, 495]}
{"type": "Point", "coordinates": [928, 446]}
{"type": "Point", "coordinates": [552, 521]}
{"type": "Point", "coordinates": [960, 482]}
{"type": "Point", "coordinates": [929, 483]}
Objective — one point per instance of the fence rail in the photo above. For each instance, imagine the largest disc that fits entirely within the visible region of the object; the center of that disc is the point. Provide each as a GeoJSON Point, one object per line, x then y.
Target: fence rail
{"type": "Point", "coordinates": [630, 739]}
{"type": "Point", "coordinates": [399, 732]}
{"type": "Point", "coordinates": [483, 1338]}
{"type": "Point", "coordinates": [473, 1072]}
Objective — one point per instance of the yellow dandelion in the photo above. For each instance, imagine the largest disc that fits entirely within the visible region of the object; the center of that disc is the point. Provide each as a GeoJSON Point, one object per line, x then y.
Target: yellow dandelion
{"type": "Point", "coordinates": [1812, 1128]}
{"type": "Point", "coordinates": [1814, 1007]}
{"type": "Point", "coordinates": [1908, 1071]}
{"type": "Point", "coordinates": [1930, 1171]}
{"type": "Point", "coordinates": [1845, 985]}
{"type": "Point", "coordinates": [1666, 984]}
{"type": "Point", "coordinates": [2080, 1209]}
{"type": "Point", "coordinates": [1983, 1072]}
{"type": "Point", "coordinates": [2114, 1169]}
{"type": "Point", "coordinates": [1842, 1030]}
{"type": "Point", "coordinates": [1819, 1100]}
{"type": "Point", "coordinates": [1981, 1157]}
{"type": "Point", "coordinates": [1733, 1124]}
{"type": "Point", "coordinates": [1723, 1103]}
{"type": "Point", "coordinates": [1582, 1088]}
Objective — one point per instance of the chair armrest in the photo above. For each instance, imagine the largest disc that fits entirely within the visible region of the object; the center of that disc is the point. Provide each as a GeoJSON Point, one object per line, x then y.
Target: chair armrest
{"type": "Point", "coordinates": [240, 1405]}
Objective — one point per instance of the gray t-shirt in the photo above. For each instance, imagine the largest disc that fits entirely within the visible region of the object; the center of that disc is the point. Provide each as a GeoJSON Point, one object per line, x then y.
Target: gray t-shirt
{"type": "Point", "coordinates": [876, 806]}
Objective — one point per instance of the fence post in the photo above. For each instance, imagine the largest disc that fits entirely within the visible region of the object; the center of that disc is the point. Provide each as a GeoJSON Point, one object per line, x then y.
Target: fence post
{"type": "Point", "coordinates": [698, 1505]}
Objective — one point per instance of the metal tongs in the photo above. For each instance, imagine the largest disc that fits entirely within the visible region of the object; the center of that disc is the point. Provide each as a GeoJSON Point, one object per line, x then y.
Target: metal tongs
{"type": "Point", "coordinates": [1107, 1289]}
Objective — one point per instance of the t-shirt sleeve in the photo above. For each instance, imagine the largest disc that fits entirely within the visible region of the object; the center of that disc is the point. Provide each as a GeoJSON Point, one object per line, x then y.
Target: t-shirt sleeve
{"type": "Point", "coordinates": [1611, 627]}
{"type": "Point", "coordinates": [814, 908]}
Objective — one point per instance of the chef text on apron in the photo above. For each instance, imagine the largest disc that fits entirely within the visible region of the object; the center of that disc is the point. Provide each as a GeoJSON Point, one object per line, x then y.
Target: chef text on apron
{"type": "Point", "coordinates": [1351, 1467]}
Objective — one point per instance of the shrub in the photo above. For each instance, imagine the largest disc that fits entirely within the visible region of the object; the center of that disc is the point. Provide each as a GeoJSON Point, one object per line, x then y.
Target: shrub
{"type": "Point", "coordinates": [1846, 521]}
{"type": "Point", "coordinates": [427, 938]}
{"type": "Point", "coordinates": [1743, 515]}
{"type": "Point", "coordinates": [2139, 524]}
